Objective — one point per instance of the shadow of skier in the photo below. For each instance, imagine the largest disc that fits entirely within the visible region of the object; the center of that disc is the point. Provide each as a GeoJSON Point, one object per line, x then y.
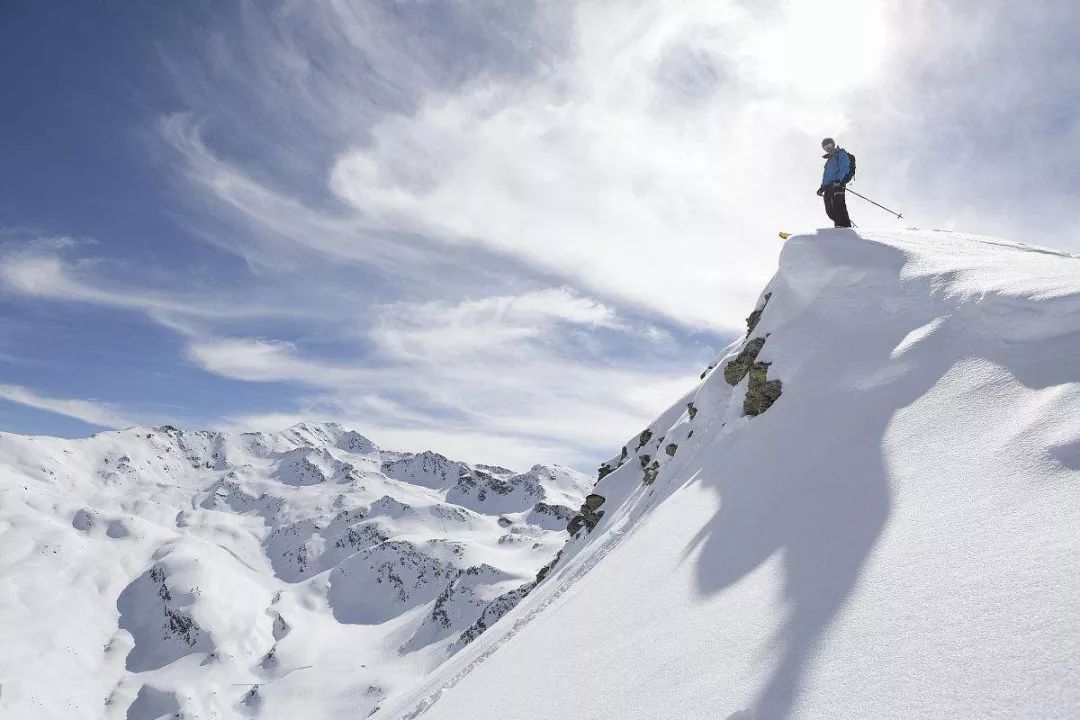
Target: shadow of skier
{"type": "Point", "coordinates": [807, 478]}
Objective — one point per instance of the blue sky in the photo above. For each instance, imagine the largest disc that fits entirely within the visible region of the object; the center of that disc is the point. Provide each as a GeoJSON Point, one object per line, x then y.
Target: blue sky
{"type": "Point", "coordinates": [510, 232]}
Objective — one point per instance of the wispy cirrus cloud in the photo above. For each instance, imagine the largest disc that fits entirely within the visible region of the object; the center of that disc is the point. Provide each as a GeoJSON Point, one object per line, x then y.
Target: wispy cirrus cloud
{"type": "Point", "coordinates": [45, 271]}
{"type": "Point", "coordinates": [604, 164]}
{"type": "Point", "coordinates": [48, 276]}
{"type": "Point", "coordinates": [640, 166]}
{"type": "Point", "coordinates": [499, 324]}
{"type": "Point", "coordinates": [259, 360]}
{"type": "Point", "coordinates": [543, 369]}
{"type": "Point", "coordinates": [89, 411]}
{"type": "Point", "coordinates": [512, 367]}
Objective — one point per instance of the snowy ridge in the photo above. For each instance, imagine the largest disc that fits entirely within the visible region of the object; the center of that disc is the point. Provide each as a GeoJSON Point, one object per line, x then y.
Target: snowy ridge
{"type": "Point", "coordinates": [867, 508]}
{"type": "Point", "coordinates": [156, 571]}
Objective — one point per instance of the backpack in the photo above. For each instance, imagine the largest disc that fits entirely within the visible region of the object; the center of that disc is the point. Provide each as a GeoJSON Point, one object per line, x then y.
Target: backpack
{"type": "Point", "coordinates": [851, 169]}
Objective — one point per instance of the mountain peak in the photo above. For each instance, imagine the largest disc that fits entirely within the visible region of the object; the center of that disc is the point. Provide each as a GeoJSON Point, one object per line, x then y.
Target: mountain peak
{"type": "Point", "coordinates": [868, 504]}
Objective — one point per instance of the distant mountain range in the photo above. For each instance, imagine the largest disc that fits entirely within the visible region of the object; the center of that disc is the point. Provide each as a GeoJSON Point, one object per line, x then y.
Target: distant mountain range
{"type": "Point", "coordinates": [156, 571]}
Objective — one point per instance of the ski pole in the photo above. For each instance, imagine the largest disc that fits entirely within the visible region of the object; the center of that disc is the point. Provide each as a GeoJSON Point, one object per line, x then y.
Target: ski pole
{"type": "Point", "coordinates": [898, 215]}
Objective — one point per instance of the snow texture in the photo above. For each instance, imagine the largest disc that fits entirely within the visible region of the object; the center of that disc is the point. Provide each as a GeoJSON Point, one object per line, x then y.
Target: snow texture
{"type": "Point", "coordinates": [868, 508]}
{"type": "Point", "coordinates": [894, 536]}
{"type": "Point", "coordinates": [155, 572]}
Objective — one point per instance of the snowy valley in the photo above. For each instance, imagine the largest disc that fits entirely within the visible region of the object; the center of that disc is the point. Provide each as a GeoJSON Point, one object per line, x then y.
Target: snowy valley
{"type": "Point", "coordinates": [867, 508]}
{"type": "Point", "coordinates": [157, 572]}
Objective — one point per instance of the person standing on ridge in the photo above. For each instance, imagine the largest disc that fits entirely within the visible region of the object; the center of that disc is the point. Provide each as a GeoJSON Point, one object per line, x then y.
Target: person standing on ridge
{"type": "Point", "coordinates": [839, 169]}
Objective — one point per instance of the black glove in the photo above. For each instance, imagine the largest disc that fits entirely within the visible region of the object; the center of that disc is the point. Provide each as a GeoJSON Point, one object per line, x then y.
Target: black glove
{"type": "Point", "coordinates": [820, 191]}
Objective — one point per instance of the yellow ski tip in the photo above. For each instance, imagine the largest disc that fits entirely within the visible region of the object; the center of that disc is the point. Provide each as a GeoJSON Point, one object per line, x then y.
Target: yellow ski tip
{"type": "Point", "coordinates": [785, 235]}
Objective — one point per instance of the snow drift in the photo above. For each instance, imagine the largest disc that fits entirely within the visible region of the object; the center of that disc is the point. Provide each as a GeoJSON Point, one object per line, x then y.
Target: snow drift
{"type": "Point", "coordinates": [867, 509]}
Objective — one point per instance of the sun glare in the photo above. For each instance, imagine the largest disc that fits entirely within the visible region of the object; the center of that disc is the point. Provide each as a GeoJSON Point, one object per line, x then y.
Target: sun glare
{"type": "Point", "coordinates": [822, 48]}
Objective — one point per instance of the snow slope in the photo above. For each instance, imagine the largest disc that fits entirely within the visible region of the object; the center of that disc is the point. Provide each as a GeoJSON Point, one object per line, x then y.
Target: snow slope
{"type": "Point", "coordinates": [154, 572]}
{"type": "Point", "coordinates": [897, 536]}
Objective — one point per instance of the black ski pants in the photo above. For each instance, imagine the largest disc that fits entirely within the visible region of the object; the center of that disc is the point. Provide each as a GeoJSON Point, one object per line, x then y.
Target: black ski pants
{"type": "Point", "coordinates": [836, 205]}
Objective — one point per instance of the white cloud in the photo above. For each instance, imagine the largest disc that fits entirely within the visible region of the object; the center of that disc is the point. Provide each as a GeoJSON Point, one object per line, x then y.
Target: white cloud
{"type": "Point", "coordinates": [976, 129]}
{"type": "Point", "coordinates": [40, 272]}
{"type": "Point", "coordinates": [411, 331]}
{"type": "Point", "coordinates": [642, 159]}
{"type": "Point", "coordinates": [195, 305]}
{"type": "Point", "coordinates": [268, 361]}
{"type": "Point", "coordinates": [279, 219]}
{"type": "Point", "coordinates": [45, 276]}
{"type": "Point", "coordinates": [530, 366]}
{"type": "Point", "coordinates": [594, 171]}
{"type": "Point", "coordinates": [518, 367]}
{"type": "Point", "coordinates": [89, 411]}
{"type": "Point", "coordinates": [818, 50]}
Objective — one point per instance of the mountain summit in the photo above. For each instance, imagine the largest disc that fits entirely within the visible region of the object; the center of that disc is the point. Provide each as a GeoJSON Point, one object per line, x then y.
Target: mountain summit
{"type": "Point", "coordinates": [868, 508]}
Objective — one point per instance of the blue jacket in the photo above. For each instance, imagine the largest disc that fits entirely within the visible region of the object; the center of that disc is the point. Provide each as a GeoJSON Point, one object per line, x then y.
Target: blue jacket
{"type": "Point", "coordinates": [836, 167]}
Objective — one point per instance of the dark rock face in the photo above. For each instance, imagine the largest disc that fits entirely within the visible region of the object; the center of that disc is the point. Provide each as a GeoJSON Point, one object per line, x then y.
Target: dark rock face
{"type": "Point", "coordinates": [651, 471]}
{"type": "Point", "coordinates": [755, 317]}
{"type": "Point", "coordinates": [176, 624]}
{"type": "Point", "coordinates": [691, 410]}
{"type": "Point", "coordinates": [485, 493]}
{"type": "Point", "coordinates": [606, 469]}
{"type": "Point", "coordinates": [482, 485]}
{"type": "Point", "coordinates": [547, 568]}
{"type": "Point", "coordinates": [560, 512]}
{"type": "Point", "coordinates": [737, 369]}
{"type": "Point", "coordinates": [495, 610]}
{"type": "Point", "coordinates": [426, 468]}
{"type": "Point", "coordinates": [157, 613]}
{"type": "Point", "coordinates": [646, 436]}
{"type": "Point", "coordinates": [671, 449]}
{"type": "Point", "coordinates": [588, 516]}
{"type": "Point", "coordinates": [762, 392]}
{"type": "Point", "coordinates": [594, 501]}
{"type": "Point", "coordinates": [375, 585]}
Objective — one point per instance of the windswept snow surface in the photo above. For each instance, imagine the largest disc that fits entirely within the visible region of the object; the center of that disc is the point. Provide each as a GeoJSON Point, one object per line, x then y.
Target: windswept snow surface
{"type": "Point", "coordinates": [898, 536]}
{"type": "Point", "coordinates": [155, 572]}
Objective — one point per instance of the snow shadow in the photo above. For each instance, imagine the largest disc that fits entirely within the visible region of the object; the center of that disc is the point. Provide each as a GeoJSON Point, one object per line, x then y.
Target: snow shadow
{"type": "Point", "coordinates": [807, 478]}
{"type": "Point", "coordinates": [152, 704]}
{"type": "Point", "coordinates": [1068, 455]}
{"type": "Point", "coordinates": [158, 618]}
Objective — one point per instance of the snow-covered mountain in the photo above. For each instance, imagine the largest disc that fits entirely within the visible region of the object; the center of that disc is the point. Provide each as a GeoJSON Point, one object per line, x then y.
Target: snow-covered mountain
{"type": "Point", "coordinates": [868, 508]}
{"type": "Point", "coordinates": [156, 572]}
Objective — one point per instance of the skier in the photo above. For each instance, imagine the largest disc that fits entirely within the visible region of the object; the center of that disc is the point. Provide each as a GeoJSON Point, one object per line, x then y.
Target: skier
{"type": "Point", "coordinates": [839, 169]}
